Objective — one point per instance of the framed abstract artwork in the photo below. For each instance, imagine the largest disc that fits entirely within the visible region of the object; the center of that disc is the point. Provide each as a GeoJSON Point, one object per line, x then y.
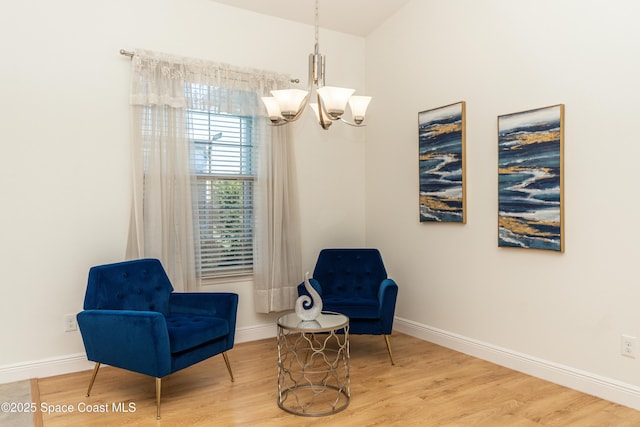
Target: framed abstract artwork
{"type": "Point", "coordinates": [530, 179]}
{"type": "Point", "coordinates": [441, 141]}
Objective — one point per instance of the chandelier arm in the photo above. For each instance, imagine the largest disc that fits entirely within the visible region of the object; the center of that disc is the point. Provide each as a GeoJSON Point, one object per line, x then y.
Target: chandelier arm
{"type": "Point", "coordinates": [322, 115]}
{"type": "Point", "coordinates": [305, 101]}
{"type": "Point", "coordinates": [303, 107]}
{"type": "Point", "coordinates": [351, 123]}
{"type": "Point", "coordinates": [280, 122]}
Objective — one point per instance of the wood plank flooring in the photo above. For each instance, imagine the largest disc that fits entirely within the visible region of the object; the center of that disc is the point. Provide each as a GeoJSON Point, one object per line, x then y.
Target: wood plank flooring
{"type": "Point", "coordinates": [429, 386]}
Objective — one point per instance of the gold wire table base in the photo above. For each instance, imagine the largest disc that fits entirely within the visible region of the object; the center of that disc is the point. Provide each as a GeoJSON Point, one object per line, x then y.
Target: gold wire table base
{"type": "Point", "coordinates": [313, 365]}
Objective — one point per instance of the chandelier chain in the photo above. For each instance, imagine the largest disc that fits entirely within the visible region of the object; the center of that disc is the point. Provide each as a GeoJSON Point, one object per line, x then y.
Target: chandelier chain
{"type": "Point", "coordinates": [317, 24]}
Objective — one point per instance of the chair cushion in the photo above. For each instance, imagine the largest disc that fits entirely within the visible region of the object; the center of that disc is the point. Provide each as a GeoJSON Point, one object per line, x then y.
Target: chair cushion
{"type": "Point", "coordinates": [353, 307]}
{"type": "Point", "coordinates": [189, 331]}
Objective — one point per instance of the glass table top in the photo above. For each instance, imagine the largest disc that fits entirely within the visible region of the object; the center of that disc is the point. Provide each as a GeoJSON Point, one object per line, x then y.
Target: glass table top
{"type": "Point", "coordinates": [326, 321]}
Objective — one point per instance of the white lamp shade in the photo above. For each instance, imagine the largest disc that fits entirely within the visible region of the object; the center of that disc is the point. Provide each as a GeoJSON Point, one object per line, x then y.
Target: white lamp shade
{"type": "Point", "coordinates": [273, 109]}
{"type": "Point", "coordinates": [314, 107]}
{"type": "Point", "coordinates": [358, 105]}
{"type": "Point", "coordinates": [335, 99]}
{"type": "Point", "coordinates": [289, 101]}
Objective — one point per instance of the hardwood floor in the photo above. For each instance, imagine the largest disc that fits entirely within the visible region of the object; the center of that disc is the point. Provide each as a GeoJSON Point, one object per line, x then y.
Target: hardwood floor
{"type": "Point", "coordinates": [429, 386]}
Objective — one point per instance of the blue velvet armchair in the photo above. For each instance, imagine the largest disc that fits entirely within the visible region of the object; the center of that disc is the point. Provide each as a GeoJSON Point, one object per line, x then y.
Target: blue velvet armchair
{"type": "Point", "coordinates": [354, 282]}
{"type": "Point", "coordinates": [133, 320]}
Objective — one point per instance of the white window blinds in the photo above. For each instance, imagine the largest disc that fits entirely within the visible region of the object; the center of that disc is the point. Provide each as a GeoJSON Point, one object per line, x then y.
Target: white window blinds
{"type": "Point", "coordinates": [222, 160]}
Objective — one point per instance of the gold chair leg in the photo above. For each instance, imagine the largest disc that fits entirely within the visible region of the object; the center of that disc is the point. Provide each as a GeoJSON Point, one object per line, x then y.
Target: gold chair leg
{"type": "Point", "coordinates": [226, 361]}
{"type": "Point", "coordinates": [158, 393]}
{"type": "Point", "coordinates": [386, 339]}
{"type": "Point", "coordinates": [93, 377]}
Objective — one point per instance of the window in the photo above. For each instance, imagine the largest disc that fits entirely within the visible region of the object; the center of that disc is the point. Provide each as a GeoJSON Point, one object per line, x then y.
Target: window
{"type": "Point", "coordinates": [222, 157]}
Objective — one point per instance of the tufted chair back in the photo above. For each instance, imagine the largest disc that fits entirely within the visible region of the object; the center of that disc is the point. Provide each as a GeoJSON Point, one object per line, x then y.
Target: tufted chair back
{"type": "Point", "coordinates": [140, 285]}
{"type": "Point", "coordinates": [350, 272]}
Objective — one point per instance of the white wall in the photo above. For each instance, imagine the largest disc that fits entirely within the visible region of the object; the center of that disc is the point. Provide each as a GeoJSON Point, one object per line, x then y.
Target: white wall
{"type": "Point", "coordinates": [64, 148]}
{"type": "Point", "coordinates": [64, 162]}
{"type": "Point", "coordinates": [503, 56]}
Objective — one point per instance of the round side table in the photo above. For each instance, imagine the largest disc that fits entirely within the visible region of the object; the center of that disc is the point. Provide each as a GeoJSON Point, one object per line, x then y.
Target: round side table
{"type": "Point", "coordinates": [313, 364]}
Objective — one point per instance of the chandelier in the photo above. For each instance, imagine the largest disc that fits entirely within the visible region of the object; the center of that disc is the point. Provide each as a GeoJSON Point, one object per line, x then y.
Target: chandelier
{"type": "Point", "coordinates": [288, 105]}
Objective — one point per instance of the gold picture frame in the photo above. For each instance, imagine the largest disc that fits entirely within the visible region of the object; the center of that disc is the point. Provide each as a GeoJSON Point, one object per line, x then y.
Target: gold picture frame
{"type": "Point", "coordinates": [441, 158]}
{"type": "Point", "coordinates": [531, 179]}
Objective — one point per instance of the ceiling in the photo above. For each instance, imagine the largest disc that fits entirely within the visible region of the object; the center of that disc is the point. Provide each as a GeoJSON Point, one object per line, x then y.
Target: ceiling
{"type": "Point", "coordinates": [357, 17]}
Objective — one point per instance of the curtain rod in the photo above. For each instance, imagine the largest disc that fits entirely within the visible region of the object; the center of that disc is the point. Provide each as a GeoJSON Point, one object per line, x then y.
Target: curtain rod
{"type": "Point", "coordinates": [130, 55]}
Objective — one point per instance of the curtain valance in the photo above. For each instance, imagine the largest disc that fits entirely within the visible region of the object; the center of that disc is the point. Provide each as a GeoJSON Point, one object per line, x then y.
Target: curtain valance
{"type": "Point", "coordinates": [163, 79]}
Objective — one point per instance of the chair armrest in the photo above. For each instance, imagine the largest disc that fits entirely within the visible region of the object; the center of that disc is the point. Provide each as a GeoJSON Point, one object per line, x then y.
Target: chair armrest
{"type": "Point", "coordinates": [388, 291]}
{"type": "Point", "coordinates": [216, 304]}
{"type": "Point", "coordinates": [387, 295]}
{"type": "Point", "coordinates": [134, 340]}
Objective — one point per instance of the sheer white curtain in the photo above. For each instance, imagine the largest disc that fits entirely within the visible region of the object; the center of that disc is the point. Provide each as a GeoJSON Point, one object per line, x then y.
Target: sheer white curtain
{"type": "Point", "coordinates": [277, 259]}
{"type": "Point", "coordinates": [163, 224]}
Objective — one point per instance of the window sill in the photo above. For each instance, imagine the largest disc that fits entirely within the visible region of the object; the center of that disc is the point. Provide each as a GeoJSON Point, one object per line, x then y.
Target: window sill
{"type": "Point", "coordinates": [222, 280]}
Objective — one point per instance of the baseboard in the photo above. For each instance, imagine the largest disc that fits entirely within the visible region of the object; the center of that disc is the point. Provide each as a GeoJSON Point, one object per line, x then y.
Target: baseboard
{"type": "Point", "coordinates": [44, 368]}
{"type": "Point", "coordinates": [604, 388]}
{"type": "Point", "coordinates": [255, 333]}
{"type": "Point", "coordinates": [78, 362]}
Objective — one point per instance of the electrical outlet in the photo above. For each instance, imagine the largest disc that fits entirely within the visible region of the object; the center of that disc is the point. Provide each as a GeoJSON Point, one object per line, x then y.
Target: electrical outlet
{"type": "Point", "coordinates": [629, 346]}
{"type": "Point", "coordinates": [70, 322]}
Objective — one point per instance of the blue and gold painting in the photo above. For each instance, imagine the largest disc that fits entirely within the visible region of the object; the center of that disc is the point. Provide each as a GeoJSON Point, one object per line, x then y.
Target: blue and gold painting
{"type": "Point", "coordinates": [441, 136]}
{"type": "Point", "coordinates": [530, 182]}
